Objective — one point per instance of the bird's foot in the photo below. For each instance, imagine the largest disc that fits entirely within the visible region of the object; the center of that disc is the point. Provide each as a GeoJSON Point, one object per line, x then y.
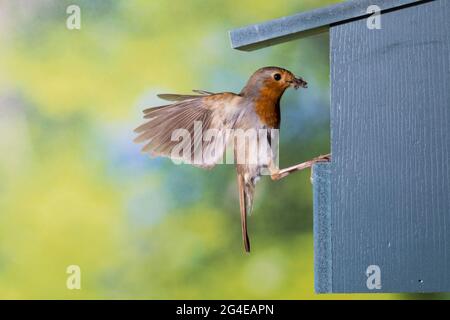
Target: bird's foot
{"type": "Point", "coordinates": [308, 164]}
{"type": "Point", "coordinates": [322, 158]}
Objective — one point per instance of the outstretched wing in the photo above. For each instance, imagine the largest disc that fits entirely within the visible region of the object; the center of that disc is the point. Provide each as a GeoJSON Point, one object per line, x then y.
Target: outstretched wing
{"type": "Point", "coordinates": [193, 129]}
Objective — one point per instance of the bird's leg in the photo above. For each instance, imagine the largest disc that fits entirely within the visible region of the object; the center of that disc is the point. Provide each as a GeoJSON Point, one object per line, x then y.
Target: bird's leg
{"type": "Point", "coordinates": [279, 174]}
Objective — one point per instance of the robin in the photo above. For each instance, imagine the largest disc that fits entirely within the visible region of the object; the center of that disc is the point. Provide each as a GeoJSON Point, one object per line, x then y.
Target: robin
{"type": "Point", "coordinates": [256, 107]}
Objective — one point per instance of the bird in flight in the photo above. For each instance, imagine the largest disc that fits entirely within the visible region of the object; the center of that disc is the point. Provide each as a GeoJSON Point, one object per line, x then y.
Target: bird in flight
{"type": "Point", "coordinates": [209, 122]}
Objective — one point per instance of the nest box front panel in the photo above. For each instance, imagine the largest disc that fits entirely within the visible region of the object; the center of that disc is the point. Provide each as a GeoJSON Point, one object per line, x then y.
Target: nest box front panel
{"type": "Point", "coordinates": [389, 225]}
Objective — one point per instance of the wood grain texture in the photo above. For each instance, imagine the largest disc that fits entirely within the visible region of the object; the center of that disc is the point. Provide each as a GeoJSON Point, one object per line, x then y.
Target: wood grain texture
{"type": "Point", "coordinates": [390, 120]}
{"type": "Point", "coordinates": [306, 23]}
{"type": "Point", "coordinates": [322, 227]}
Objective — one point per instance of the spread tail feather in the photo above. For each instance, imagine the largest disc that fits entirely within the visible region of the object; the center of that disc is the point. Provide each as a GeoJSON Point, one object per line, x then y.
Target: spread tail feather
{"type": "Point", "coordinates": [245, 204]}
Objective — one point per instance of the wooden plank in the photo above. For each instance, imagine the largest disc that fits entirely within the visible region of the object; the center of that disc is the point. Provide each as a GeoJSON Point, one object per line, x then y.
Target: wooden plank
{"type": "Point", "coordinates": [306, 23]}
{"type": "Point", "coordinates": [390, 181]}
{"type": "Point", "coordinates": [322, 227]}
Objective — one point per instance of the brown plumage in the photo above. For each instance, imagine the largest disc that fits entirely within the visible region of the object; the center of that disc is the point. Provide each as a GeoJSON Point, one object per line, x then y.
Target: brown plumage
{"type": "Point", "coordinates": [256, 107]}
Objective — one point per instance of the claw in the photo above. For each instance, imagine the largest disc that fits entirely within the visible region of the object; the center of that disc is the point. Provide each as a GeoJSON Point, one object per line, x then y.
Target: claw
{"type": "Point", "coordinates": [323, 158]}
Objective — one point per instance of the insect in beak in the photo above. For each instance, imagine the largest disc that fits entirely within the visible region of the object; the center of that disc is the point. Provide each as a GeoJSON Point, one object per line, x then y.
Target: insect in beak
{"type": "Point", "coordinates": [298, 82]}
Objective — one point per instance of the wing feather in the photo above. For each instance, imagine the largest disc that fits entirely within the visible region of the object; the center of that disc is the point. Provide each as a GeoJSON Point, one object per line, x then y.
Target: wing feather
{"type": "Point", "coordinates": [218, 111]}
{"type": "Point", "coordinates": [203, 92]}
{"type": "Point", "coordinates": [182, 97]}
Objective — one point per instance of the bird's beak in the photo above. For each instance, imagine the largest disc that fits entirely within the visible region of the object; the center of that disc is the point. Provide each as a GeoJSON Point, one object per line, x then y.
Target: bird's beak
{"type": "Point", "coordinates": [299, 82]}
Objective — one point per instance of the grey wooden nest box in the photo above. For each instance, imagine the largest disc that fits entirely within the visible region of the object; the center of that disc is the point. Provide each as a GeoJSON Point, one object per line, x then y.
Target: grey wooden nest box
{"type": "Point", "coordinates": [382, 205]}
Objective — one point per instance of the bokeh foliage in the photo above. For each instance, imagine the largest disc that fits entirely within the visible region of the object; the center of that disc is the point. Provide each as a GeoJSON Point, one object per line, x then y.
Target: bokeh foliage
{"type": "Point", "coordinates": [74, 189]}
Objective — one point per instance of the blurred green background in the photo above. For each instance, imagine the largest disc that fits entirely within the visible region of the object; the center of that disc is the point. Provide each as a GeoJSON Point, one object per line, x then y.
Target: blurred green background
{"type": "Point", "coordinates": [74, 189]}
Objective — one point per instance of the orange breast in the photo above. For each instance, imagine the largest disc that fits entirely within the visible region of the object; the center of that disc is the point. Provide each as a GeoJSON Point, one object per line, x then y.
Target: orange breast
{"type": "Point", "coordinates": [267, 106]}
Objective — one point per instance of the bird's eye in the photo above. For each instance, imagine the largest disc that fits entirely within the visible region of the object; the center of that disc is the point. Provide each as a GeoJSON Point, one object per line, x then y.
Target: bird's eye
{"type": "Point", "coordinates": [277, 76]}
